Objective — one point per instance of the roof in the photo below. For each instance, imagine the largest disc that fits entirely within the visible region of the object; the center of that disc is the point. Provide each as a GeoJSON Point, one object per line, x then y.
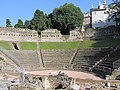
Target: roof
{"type": "Point", "coordinates": [97, 9]}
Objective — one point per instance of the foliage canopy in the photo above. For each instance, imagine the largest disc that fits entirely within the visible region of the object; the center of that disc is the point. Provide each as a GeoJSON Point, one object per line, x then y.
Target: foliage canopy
{"type": "Point", "coordinates": [66, 18]}
{"type": "Point", "coordinates": [8, 23]}
{"type": "Point", "coordinates": [38, 20]}
{"type": "Point", "coordinates": [19, 24]}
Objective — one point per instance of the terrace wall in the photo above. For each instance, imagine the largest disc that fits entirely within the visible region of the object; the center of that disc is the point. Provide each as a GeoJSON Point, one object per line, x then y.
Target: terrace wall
{"type": "Point", "coordinates": [18, 34]}
{"type": "Point", "coordinates": [51, 35]}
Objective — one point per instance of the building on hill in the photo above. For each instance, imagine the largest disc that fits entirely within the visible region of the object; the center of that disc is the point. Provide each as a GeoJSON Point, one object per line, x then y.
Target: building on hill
{"type": "Point", "coordinates": [86, 23]}
{"type": "Point", "coordinates": [101, 16]}
{"type": "Point", "coordinates": [51, 35]}
{"type": "Point", "coordinates": [18, 34]}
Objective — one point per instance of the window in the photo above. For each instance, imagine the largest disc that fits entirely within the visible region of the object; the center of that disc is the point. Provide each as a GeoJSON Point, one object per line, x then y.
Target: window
{"type": "Point", "coordinates": [100, 21]}
{"type": "Point", "coordinates": [108, 20]}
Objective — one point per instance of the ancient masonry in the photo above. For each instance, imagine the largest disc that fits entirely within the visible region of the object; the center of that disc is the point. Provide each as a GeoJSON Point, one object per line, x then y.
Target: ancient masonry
{"type": "Point", "coordinates": [18, 34]}
{"type": "Point", "coordinates": [49, 35]}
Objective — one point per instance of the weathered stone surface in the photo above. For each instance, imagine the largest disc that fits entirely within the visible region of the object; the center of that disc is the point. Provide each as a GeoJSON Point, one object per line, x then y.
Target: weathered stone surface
{"type": "Point", "coordinates": [18, 34]}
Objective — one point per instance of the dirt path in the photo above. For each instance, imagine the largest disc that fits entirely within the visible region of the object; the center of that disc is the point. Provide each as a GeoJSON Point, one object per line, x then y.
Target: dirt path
{"type": "Point", "coordinates": [73, 74]}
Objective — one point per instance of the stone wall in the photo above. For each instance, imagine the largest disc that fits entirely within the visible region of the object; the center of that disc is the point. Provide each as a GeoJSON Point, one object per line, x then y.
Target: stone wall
{"type": "Point", "coordinates": [51, 35]}
{"type": "Point", "coordinates": [18, 34]}
{"type": "Point", "coordinates": [75, 35]}
{"type": "Point", "coordinates": [103, 34]}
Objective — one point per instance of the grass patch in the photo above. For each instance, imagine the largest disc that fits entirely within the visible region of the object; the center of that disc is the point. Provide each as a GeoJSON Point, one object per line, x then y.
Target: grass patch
{"type": "Point", "coordinates": [5, 45]}
{"type": "Point", "coordinates": [70, 45]}
{"type": "Point", "coordinates": [100, 43]}
{"type": "Point", "coordinates": [87, 44]}
{"type": "Point", "coordinates": [63, 45]}
{"type": "Point", "coordinates": [58, 45]}
{"type": "Point", "coordinates": [28, 46]}
{"type": "Point", "coordinates": [107, 43]}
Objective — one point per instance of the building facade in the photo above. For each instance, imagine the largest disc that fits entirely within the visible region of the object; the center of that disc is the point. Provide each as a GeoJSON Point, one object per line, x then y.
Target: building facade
{"type": "Point", "coordinates": [86, 23]}
{"type": "Point", "coordinates": [101, 16]}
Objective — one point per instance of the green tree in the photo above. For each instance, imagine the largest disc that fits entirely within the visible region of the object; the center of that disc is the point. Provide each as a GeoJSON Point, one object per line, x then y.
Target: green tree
{"type": "Point", "coordinates": [116, 15]}
{"type": "Point", "coordinates": [8, 23]}
{"type": "Point", "coordinates": [111, 6]}
{"type": "Point", "coordinates": [38, 21]}
{"type": "Point", "coordinates": [19, 24]}
{"type": "Point", "coordinates": [27, 24]}
{"type": "Point", "coordinates": [66, 17]}
{"type": "Point", "coordinates": [48, 21]}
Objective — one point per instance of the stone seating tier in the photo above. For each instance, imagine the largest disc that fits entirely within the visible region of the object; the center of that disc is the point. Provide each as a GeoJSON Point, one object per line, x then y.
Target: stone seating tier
{"type": "Point", "coordinates": [106, 65]}
{"type": "Point", "coordinates": [86, 58]}
{"type": "Point", "coordinates": [25, 56]}
{"type": "Point", "coordinates": [28, 59]}
{"type": "Point", "coordinates": [56, 59]}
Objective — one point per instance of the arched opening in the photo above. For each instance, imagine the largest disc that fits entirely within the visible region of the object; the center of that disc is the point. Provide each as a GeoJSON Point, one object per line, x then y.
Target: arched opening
{"type": "Point", "coordinates": [15, 46]}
